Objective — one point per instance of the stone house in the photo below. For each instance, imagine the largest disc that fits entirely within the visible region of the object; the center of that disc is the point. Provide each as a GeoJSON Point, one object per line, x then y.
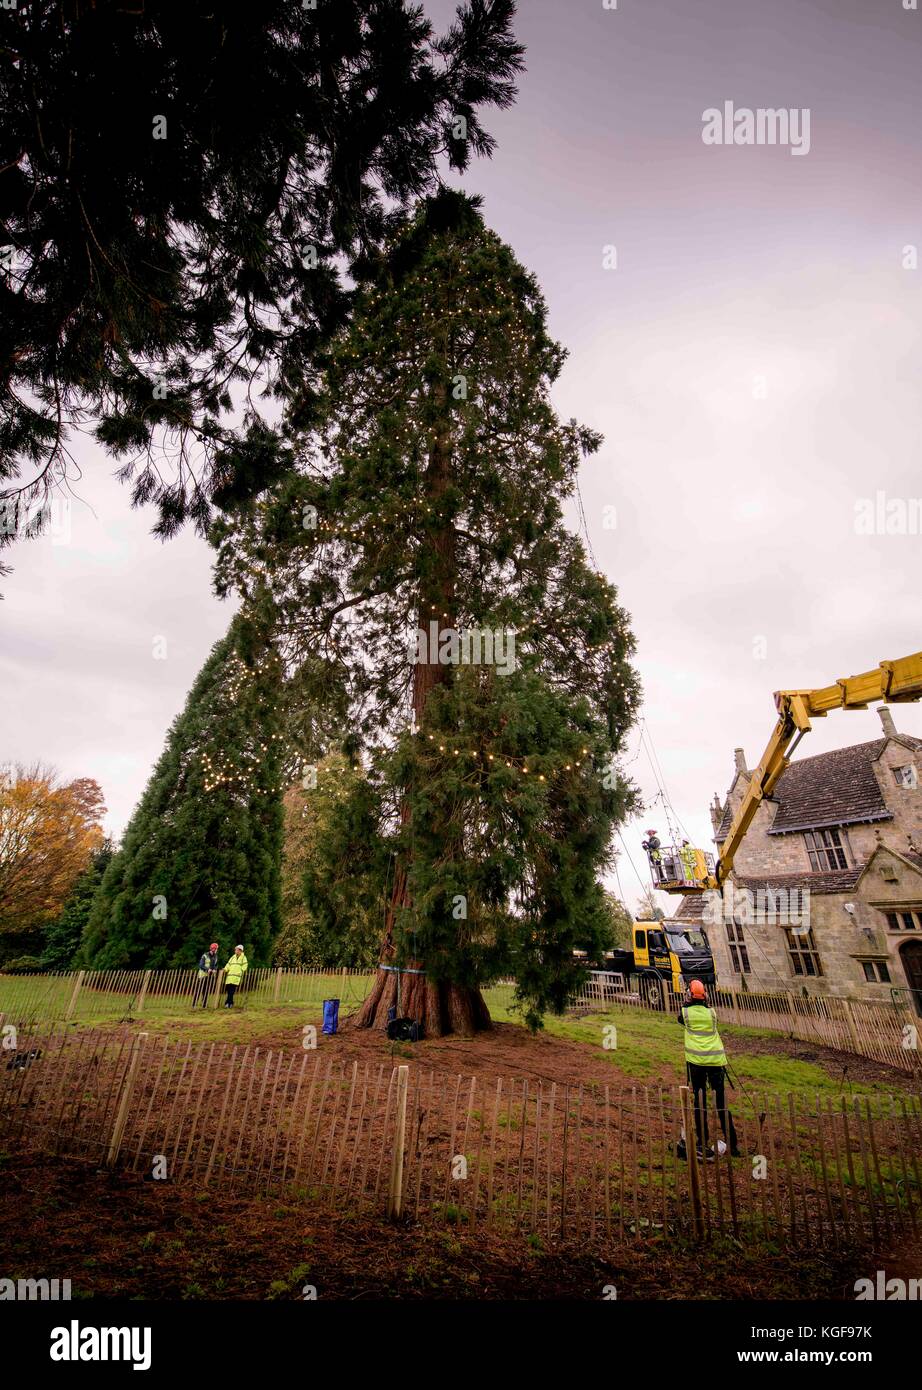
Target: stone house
{"type": "Point", "coordinates": [826, 890]}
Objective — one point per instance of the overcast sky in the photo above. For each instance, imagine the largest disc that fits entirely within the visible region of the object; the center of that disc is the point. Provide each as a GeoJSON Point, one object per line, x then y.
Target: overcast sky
{"type": "Point", "coordinates": [753, 362]}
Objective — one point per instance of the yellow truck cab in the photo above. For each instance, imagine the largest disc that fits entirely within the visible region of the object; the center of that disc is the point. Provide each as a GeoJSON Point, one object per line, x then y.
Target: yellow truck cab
{"type": "Point", "coordinates": [664, 957]}
{"type": "Point", "coordinates": [673, 953]}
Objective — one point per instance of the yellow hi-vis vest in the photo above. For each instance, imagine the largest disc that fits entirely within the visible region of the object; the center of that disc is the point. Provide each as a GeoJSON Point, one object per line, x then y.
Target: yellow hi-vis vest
{"type": "Point", "coordinates": [702, 1041]}
{"type": "Point", "coordinates": [235, 969]}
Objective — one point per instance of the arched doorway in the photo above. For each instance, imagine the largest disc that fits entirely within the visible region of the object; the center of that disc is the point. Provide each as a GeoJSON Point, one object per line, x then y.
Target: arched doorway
{"type": "Point", "coordinates": [911, 961]}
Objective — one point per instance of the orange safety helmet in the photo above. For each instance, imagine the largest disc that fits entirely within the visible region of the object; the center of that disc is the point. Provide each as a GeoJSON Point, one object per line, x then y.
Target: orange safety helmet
{"type": "Point", "coordinates": [697, 991]}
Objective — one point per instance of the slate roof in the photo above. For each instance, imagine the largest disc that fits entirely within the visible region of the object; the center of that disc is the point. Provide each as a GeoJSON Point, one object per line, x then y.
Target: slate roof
{"type": "Point", "coordinates": [837, 788]}
{"type": "Point", "coordinates": [692, 910]}
{"type": "Point", "coordinates": [833, 881]}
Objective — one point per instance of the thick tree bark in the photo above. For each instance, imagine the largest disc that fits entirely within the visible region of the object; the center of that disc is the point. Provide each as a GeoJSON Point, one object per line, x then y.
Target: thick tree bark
{"type": "Point", "coordinates": [441, 1007]}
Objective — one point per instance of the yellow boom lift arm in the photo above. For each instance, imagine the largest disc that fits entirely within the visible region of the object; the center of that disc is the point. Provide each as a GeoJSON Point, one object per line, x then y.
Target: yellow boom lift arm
{"type": "Point", "coordinates": [896, 682]}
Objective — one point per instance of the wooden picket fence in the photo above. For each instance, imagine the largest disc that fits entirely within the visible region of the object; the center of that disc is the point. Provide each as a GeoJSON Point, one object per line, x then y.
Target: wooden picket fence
{"type": "Point", "coordinates": [883, 1032]}
{"type": "Point", "coordinates": [583, 1162]}
{"type": "Point", "coordinates": [888, 1032]}
{"type": "Point", "coordinates": [95, 995]}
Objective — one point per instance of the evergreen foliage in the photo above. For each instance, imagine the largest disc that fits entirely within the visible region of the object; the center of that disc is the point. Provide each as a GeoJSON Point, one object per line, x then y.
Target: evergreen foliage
{"type": "Point", "coordinates": [334, 870]}
{"type": "Point", "coordinates": [63, 936]}
{"type": "Point", "coordinates": [431, 475]}
{"type": "Point", "coordinates": [180, 185]}
{"type": "Point", "coordinates": [201, 855]}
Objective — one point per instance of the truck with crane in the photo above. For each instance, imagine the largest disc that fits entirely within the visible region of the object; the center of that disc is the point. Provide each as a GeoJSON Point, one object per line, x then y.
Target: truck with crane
{"type": "Point", "coordinates": [666, 956]}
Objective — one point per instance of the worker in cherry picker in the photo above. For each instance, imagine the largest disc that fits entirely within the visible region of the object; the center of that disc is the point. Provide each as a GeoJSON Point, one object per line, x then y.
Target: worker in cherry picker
{"type": "Point", "coordinates": [689, 860]}
{"type": "Point", "coordinates": [655, 855]}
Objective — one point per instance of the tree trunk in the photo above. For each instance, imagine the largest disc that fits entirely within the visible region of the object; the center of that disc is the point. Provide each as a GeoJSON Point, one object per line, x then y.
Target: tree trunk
{"type": "Point", "coordinates": [441, 1007]}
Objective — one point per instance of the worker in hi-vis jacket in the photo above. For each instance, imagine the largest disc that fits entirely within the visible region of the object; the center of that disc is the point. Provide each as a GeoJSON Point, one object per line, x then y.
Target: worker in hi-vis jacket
{"type": "Point", "coordinates": [234, 971]}
{"type": "Point", "coordinates": [706, 1063]}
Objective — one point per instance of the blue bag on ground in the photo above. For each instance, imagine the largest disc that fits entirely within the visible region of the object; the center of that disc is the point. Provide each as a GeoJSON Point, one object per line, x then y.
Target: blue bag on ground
{"type": "Point", "coordinates": [330, 1015]}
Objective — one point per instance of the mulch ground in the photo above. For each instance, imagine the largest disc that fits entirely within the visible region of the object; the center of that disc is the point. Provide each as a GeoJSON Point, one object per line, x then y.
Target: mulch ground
{"type": "Point", "coordinates": [511, 1050]}
{"type": "Point", "coordinates": [115, 1235]}
{"type": "Point", "coordinates": [118, 1235]}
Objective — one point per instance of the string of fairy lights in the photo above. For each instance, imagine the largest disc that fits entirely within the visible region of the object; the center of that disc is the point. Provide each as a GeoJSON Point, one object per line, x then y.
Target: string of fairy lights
{"type": "Point", "coordinates": [382, 531]}
{"type": "Point", "coordinates": [486, 762]}
{"type": "Point", "coordinates": [220, 771]}
{"type": "Point", "coordinates": [505, 760]}
{"type": "Point", "coordinates": [325, 529]}
{"type": "Point", "coordinates": [535, 765]}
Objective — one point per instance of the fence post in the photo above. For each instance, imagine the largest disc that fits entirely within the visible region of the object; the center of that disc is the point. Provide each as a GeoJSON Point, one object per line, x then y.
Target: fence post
{"type": "Point", "coordinates": [395, 1193]}
{"type": "Point", "coordinates": [852, 1030]}
{"type": "Point", "coordinates": [121, 1116]}
{"type": "Point", "coordinates": [143, 995]}
{"type": "Point", "coordinates": [691, 1152]}
{"type": "Point", "coordinates": [73, 998]}
{"type": "Point", "coordinates": [219, 985]}
{"type": "Point", "coordinates": [278, 985]}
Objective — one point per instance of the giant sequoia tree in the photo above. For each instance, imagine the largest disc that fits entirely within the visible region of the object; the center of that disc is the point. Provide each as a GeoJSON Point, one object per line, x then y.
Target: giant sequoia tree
{"type": "Point", "coordinates": [201, 855]}
{"type": "Point", "coordinates": [424, 524]}
{"type": "Point", "coordinates": [178, 183]}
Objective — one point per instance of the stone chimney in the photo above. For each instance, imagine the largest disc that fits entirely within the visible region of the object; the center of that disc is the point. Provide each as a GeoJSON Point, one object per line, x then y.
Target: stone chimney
{"type": "Point", "coordinates": [886, 719]}
{"type": "Point", "coordinates": [739, 757]}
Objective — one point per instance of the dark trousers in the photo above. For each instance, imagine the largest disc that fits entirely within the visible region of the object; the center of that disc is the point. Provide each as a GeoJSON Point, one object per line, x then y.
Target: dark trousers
{"type": "Point", "coordinates": [202, 989]}
{"type": "Point", "coordinates": [700, 1078]}
{"type": "Point", "coordinates": [229, 1001]}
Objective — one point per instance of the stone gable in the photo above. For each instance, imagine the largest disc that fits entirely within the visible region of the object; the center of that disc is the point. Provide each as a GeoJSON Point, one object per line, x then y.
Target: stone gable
{"type": "Point", "coordinates": [860, 811]}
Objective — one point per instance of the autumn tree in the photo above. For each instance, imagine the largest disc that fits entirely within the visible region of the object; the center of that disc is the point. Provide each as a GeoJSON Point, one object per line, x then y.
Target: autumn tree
{"type": "Point", "coordinates": [648, 909]}
{"type": "Point", "coordinates": [425, 509]}
{"type": "Point", "coordinates": [180, 185]}
{"type": "Point", "coordinates": [49, 830]}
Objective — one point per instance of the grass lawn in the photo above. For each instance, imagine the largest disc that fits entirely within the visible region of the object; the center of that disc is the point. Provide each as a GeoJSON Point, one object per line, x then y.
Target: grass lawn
{"type": "Point", "coordinates": [637, 1046]}
{"type": "Point", "coordinates": [649, 1048]}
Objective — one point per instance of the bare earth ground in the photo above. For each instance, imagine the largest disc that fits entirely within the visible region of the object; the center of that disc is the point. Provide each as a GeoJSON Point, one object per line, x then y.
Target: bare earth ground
{"type": "Point", "coordinates": [510, 1050]}
{"type": "Point", "coordinates": [117, 1235]}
